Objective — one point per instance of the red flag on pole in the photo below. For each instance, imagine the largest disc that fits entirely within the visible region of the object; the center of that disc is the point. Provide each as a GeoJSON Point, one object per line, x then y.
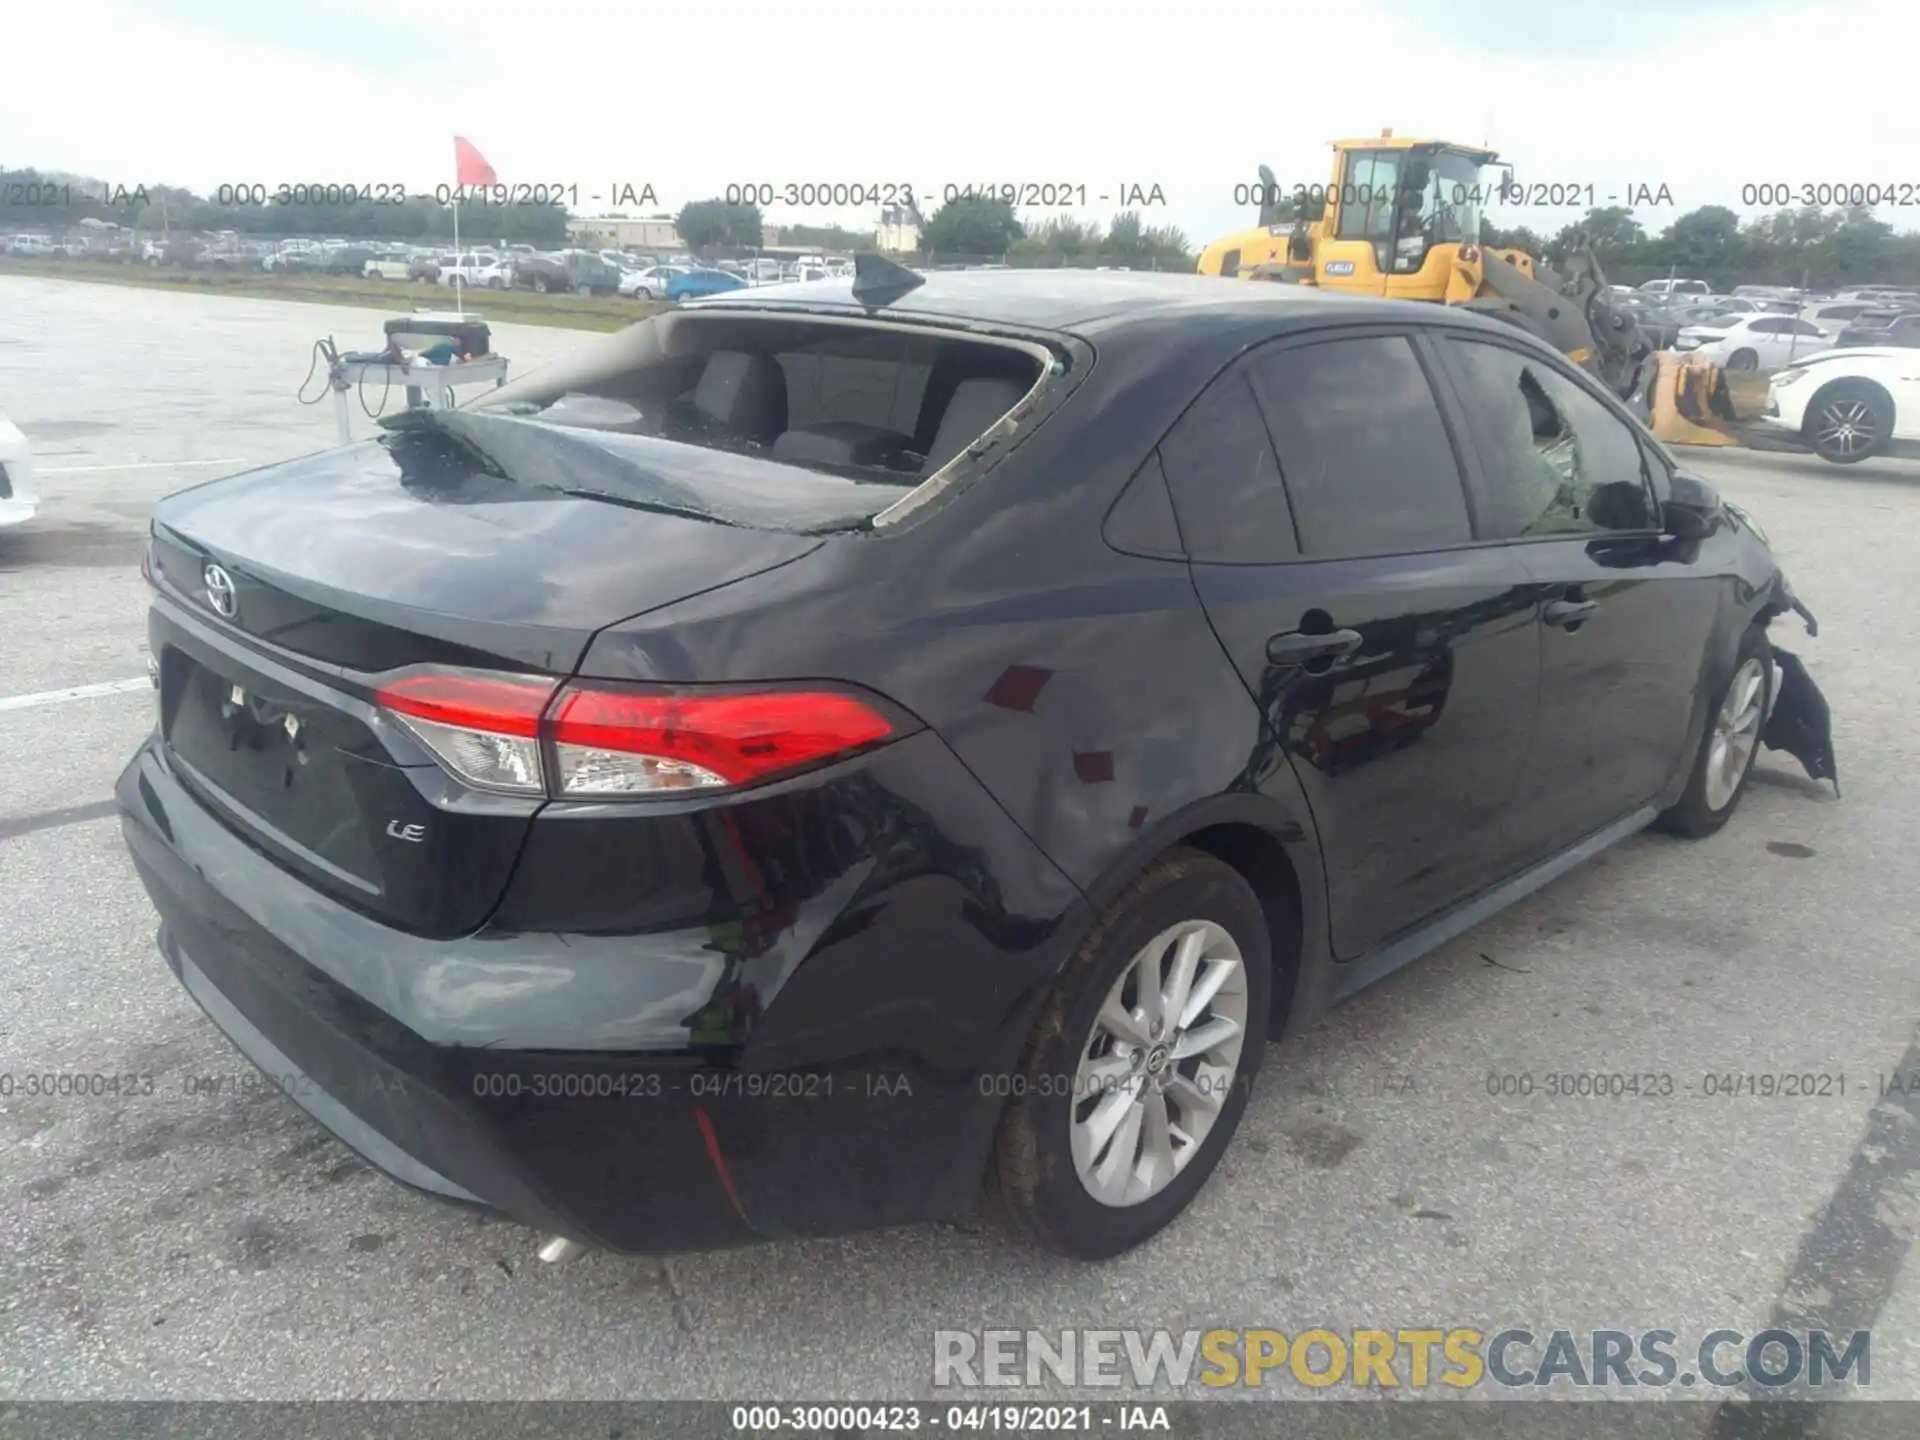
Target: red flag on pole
{"type": "Point", "coordinates": [469, 165]}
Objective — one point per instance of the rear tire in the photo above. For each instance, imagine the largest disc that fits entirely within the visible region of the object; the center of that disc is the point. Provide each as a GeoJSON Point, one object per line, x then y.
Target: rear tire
{"type": "Point", "coordinates": [1142, 1121]}
{"type": "Point", "coordinates": [1729, 745]}
{"type": "Point", "coordinates": [1848, 422]}
{"type": "Point", "coordinates": [1743, 360]}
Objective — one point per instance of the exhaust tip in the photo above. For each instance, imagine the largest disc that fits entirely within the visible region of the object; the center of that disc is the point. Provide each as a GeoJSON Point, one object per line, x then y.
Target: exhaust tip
{"type": "Point", "coordinates": [557, 1250]}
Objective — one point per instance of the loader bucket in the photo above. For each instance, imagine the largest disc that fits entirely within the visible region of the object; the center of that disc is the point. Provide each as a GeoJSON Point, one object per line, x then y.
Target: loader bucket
{"type": "Point", "coordinates": [1690, 403]}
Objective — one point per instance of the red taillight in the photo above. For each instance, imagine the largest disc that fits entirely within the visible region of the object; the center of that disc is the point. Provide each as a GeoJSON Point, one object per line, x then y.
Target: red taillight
{"type": "Point", "coordinates": [512, 733]}
{"type": "Point", "coordinates": [484, 728]}
{"type": "Point", "coordinates": [734, 738]}
{"type": "Point", "coordinates": [499, 704]}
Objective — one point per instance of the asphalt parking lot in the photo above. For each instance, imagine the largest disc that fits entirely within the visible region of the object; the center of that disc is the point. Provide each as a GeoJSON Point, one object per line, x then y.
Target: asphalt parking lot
{"type": "Point", "coordinates": [206, 1240]}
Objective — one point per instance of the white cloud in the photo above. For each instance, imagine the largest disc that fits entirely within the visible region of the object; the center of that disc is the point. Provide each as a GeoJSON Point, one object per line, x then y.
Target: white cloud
{"type": "Point", "coordinates": [595, 93]}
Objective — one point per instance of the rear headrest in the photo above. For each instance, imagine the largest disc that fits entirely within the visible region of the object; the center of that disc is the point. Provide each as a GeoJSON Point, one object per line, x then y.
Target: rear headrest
{"type": "Point", "coordinates": [975, 406]}
{"type": "Point", "coordinates": [839, 442]}
{"type": "Point", "coordinates": [746, 393]}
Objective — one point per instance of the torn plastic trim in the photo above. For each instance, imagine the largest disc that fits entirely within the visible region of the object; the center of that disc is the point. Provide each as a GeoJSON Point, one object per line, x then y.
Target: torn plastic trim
{"type": "Point", "coordinates": [1801, 721]}
{"type": "Point", "coordinates": [1784, 600]}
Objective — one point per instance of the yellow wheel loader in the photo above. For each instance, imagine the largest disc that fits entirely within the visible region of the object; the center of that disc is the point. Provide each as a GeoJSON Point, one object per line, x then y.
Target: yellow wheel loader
{"type": "Point", "coordinates": [1400, 219]}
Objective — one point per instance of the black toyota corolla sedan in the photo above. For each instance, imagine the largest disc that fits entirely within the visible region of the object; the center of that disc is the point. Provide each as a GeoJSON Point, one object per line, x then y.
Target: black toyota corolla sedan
{"type": "Point", "coordinates": [836, 753]}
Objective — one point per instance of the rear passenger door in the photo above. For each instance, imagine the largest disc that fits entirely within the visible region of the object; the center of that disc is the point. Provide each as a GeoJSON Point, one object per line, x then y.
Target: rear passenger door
{"type": "Point", "coordinates": [1626, 611]}
{"type": "Point", "coordinates": [1395, 658]}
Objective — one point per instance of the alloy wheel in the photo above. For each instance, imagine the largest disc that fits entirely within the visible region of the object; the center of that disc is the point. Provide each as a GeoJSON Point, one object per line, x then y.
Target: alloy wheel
{"type": "Point", "coordinates": [1736, 732]}
{"type": "Point", "coordinates": [1846, 427]}
{"type": "Point", "coordinates": [1155, 1071]}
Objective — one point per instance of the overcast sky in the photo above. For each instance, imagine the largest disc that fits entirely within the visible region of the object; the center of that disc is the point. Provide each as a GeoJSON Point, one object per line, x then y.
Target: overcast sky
{"type": "Point", "coordinates": [1701, 97]}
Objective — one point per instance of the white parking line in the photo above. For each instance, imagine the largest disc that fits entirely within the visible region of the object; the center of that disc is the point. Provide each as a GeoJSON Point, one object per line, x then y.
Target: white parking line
{"type": "Point", "coordinates": [141, 465]}
{"type": "Point", "coordinates": [74, 692]}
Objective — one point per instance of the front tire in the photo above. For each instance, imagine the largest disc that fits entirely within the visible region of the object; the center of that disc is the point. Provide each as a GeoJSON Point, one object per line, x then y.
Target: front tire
{"type": "Point", "coordinates": [1848, 422]}
{"type": "Point", "coordinates": [1743, 360]}
{"type": "Point", "coordinates": [1730, 744]}
{"type": "Point", "coordinates": [1141, 1062]}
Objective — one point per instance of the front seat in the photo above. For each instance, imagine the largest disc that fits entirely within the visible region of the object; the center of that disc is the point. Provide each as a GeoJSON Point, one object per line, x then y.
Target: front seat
{"type": "Point", "coordinates": [743, 394]}
{"type": "Point", "coordinates": [976, 405]}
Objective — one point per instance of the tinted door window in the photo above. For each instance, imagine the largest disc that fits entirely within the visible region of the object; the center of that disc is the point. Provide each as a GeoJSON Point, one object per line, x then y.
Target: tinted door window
{"type": "Point", "coordinates": [1224, 479]}
{"type": "Point", "coordinates": [1555, 460]}
{"type": "Point", "coordinates": [1368, 466]}
{"type": "Point", "coordinates": [1771, 327]}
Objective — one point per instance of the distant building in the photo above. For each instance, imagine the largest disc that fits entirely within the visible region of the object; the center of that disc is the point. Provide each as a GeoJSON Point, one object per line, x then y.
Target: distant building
{"type": "Point", "coordinates": [653, 232]}
{"type": "Point", "coordinates": [898, 232]}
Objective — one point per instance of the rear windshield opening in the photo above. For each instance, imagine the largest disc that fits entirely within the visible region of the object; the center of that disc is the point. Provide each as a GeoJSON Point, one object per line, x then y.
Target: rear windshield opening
{"type": "Point", "coordinates": [877, 403]}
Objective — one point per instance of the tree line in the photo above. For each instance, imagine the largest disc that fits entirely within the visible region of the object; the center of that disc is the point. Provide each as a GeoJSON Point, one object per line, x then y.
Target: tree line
{"type": "Point", "coordinates": [977, 226]}
{"type": "Point", "coordinates": [1810, 247]}
{"type": "Point", "coordinates": [971, 228]}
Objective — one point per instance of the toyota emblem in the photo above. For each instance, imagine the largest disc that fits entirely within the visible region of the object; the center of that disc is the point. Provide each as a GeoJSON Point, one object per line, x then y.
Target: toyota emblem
{"type": "Point", "coordinates": [220, 590]}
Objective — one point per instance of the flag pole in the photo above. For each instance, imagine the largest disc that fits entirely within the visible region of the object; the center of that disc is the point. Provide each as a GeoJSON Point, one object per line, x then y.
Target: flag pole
{"type": "Point", "coordinates": [466, 161]}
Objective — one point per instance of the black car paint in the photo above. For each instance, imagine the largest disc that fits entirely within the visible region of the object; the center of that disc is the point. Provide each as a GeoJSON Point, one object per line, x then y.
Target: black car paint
{"type": "Point", "coordinates": [792, 1007]}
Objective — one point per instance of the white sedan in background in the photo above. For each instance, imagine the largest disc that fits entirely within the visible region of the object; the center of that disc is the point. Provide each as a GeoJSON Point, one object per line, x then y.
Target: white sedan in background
{"type": "Point", "coordinates": [17, 495]}
{"type": "Point", "coordinates": [1850, 404]}
{"type": "Point", "coordinates": [650, 283]}
{"type": "Point", "coordinates": [1754, 342]}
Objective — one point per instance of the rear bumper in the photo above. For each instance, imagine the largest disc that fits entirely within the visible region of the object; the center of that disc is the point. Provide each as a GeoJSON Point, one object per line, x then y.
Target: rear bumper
{"type": "Point", "coordinates": [449, 1066]}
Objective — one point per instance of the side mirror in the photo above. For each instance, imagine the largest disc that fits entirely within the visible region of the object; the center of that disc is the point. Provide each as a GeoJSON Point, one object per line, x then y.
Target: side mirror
{"type": "Point", "coordinates": [1693, 510]}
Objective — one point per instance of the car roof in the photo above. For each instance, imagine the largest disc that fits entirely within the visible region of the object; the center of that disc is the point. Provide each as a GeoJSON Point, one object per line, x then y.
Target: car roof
{"type": "Point", "coordinates": [1072, 301]}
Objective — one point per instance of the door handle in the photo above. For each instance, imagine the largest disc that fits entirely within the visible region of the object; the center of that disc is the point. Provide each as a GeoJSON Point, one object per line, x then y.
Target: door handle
{"type": "Point", "coordinates": [1297, 647]}
{"type": "Point", "coordinates": [1568, 613]}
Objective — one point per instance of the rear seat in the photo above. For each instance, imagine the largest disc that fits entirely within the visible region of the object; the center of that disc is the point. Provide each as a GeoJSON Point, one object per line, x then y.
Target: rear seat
{"type": "Point", "coordinates": [745, 394]}
{"type": "Point", "coordinates": [841, 442]}
{"type": "Point", "coordinates": [742, 393]}
{"type": "Point", "coordinates": [975, 406]}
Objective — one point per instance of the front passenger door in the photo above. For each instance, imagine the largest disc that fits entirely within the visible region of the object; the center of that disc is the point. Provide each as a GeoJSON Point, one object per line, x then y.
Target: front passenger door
{"type": "Point", "coordinates": [1625, 610]}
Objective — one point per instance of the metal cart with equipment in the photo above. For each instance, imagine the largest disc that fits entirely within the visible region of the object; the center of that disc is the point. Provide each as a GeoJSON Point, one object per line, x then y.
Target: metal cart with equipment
{"type": "Point", "coordinates": [427, 355]}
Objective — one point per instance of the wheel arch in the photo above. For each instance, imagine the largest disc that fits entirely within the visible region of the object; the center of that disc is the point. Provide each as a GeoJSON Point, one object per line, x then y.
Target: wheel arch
{"type": "Point", "coordinates": [1880, 393]}
{"type": "Point", "coordinates": [1752, 604]}
{"type": "Point", "coordinates": [1276, 850]}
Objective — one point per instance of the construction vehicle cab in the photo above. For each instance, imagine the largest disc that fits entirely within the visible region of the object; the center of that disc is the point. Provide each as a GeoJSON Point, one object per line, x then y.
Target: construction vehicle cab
{"type": "Point", "coordinates": [1391, 222]}
{"type": "Point", "coordinates": [1401, 220]}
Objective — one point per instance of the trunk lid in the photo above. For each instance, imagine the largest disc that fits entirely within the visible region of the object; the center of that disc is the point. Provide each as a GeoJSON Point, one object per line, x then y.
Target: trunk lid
{"type": "Point", "coordinates": [373, 555]}
{"type": "Point", "coordinates": [285, 592]}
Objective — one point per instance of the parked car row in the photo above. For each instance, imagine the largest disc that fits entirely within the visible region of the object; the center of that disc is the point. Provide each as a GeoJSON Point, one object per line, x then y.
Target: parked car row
{"type": "Point", "coordinates": [1765, 327]}
{"type": "Point", "coordinates": [576, 270]}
